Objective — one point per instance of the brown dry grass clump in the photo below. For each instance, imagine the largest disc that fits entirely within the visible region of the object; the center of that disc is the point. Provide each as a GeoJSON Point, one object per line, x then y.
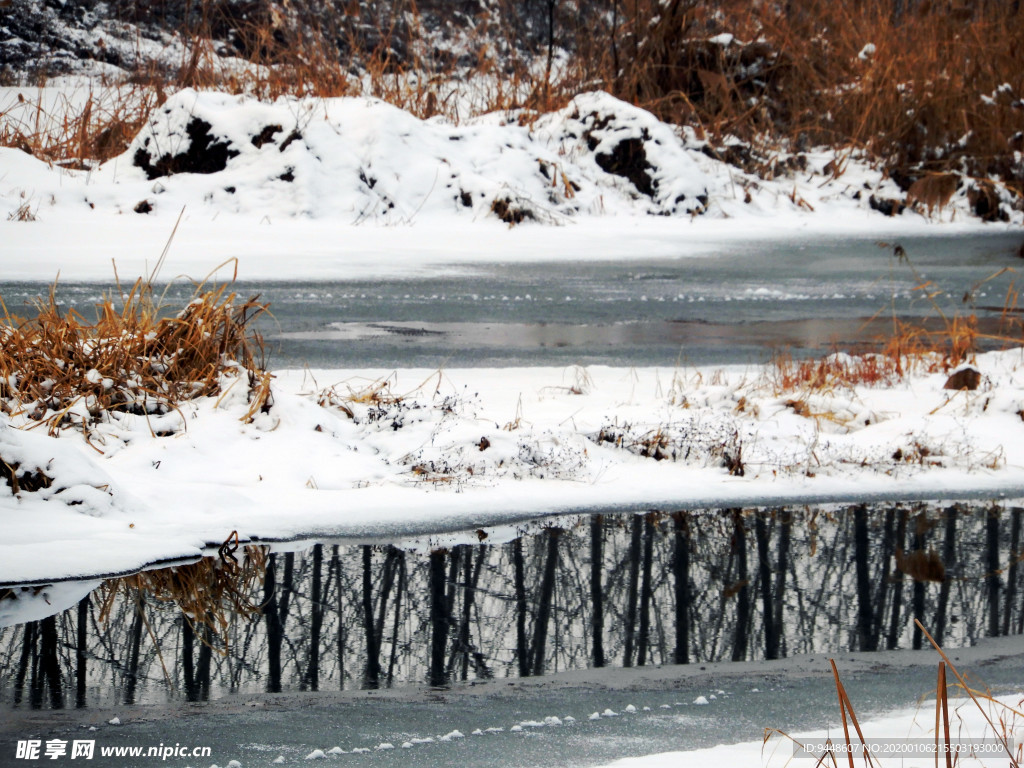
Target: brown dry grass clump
{"type": "Point", "coordinates": [912, 348]}
{"type": "Point", "coordinates": [936, 343]}
{"type": "Point", "coordinates": [62, 370]}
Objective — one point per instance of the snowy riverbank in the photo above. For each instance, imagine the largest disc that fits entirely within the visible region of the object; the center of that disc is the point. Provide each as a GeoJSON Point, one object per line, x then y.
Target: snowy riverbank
{"type": "Point", "coordinates": [381, 454]}
{"type": "Point", "coordinates": [354, 187]}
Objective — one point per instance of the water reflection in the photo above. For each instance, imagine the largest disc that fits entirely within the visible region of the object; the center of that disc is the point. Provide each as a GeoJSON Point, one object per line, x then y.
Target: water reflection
{"type": "Point", "coordinates": [581, 592]}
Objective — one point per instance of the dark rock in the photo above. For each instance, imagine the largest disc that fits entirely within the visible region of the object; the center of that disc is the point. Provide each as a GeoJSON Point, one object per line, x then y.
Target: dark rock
{"type": "Point", "coordinates": [963, 378]}
{"type": "Point", "coordinates": [204, 154]}
{"type": "Point", "coordinates": [629, 160]}
{"type": "Point", "coordinates": [143, 206]}
{"type": "Point", "coordinates": [266, 136]}
{"type": "Point", "coordinates": [886, 205]}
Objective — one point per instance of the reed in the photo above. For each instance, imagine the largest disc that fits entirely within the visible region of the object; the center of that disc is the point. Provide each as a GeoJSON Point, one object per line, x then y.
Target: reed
{"type": "Point", "coordinates": [61, 370]}
{"type": "Point", "coordinates": [924, 92]}
{"type": "Point", "coordinates": [937, 342]}
{"type": "Point", "coordinates": [1002, 720]}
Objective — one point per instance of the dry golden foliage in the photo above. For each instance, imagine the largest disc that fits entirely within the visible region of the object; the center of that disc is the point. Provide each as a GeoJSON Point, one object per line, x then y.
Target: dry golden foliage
{"type": "Point", "coordinates": [62, 370]}
{"type": "Point", "coordinates": [932, 344]}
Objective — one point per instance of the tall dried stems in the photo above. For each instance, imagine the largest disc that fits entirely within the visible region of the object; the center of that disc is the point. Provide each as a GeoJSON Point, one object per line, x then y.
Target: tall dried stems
{"type": "Point", "coordinates": [918, 87]}
{"type": "Point", "coordinates": [61, 370]}
{"type": "Point", "coordinates": [77, 128]}
{"type": "Point", "coordinates": [1002, 721]}
{"type": "Point", "coordinates": [923, 87]}
{"type": "Point", "coordinates": [937, 342]}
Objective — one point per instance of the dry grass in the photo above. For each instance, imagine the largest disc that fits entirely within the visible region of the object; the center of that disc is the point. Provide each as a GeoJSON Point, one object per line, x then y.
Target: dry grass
{"type": "Point", "coordinates": [62, 370]}
{"type": "Point", "coordinates": [940, 89]}
{"type": "Point", "coordinates": [75, 130]}
{"type": "Point", "coordinates": [213, 591]}
{"type": "Point", "coordinates": [938, 342]}
{"type": "Point", "coordinates": [375, 394]}
{"type": "Point", "coordinates": [23, 212]}
{"type": "Point", "coordinates": [1002, 721]}
{"type": "Point", "coordinates": [913, 347]}
{"type": "Point", "coordinates": [940, 92]}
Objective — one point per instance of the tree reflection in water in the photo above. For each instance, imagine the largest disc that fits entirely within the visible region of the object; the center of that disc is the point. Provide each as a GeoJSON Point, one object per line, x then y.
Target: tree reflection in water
{"type": "Point", "coordinates": [575, 592]}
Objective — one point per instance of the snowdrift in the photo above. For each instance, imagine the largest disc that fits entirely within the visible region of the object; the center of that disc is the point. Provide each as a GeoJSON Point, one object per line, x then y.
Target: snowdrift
{"type": "Point", "coordinates": [357, 160]}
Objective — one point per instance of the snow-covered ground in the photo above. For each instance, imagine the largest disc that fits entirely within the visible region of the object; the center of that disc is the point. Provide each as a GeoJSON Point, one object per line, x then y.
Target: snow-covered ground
{"type": "Point", "coordinates": [382, 454]}
{"type": "Point", "coordinates": [355, 187]}
{"type": "Point", "coordinates": [901, 738]}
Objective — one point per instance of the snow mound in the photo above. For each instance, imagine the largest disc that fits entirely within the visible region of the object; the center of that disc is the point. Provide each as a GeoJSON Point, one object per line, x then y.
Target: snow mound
{"type": "Point", "coordinates": [372, 161]}
{"type": "Point", "coordinates": [37, 467]}
{"type": "Point", "coordinates": [629, 153]}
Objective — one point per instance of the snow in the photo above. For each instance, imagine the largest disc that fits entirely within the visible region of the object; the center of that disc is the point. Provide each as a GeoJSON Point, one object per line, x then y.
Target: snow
{"type": "Point", "coordinates": [363, 188]}
{"type": "Point", "coordinates": [867, 52]}
{"type": "Point", "coordinates": [458, 449]}
{"type": "Point", "coordinates": [355, 188]}
{"type": "Point", "coordinates": [902, 729]}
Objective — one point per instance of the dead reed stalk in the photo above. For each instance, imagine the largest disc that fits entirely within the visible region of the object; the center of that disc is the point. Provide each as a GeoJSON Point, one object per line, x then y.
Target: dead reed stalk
{"type": "Point", "coordinates": [62, 370]}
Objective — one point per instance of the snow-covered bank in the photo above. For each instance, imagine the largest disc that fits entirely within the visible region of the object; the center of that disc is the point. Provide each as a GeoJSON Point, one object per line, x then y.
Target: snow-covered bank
{"type": "Point", "coordinates": [909, 735]}
{"type": "Point", "coordinates": [355, 187]}
{"type": "Point", "coordinates": [547, 720]}
{"type": "Point", "coordinates": [385, 454]}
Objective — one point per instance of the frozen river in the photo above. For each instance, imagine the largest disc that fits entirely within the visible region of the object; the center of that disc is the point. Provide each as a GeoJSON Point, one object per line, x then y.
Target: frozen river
{"type": "Point", "coordinates": [486, 653]}
{"type": "Point", "coordinates": [736, 306]}
{"type": "Point", "coordinates": [743, 699]}
{"type": "Point", "coordinates": [729, 308]}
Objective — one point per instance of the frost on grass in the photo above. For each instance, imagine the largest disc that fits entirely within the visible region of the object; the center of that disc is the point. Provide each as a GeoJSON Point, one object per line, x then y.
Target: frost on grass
{"type": "Point", "coordinates": [899, 426]}
{"type": "Point", "coordinates": [124, 375]}
{"type": "Point", "coordinates": [440, 439]}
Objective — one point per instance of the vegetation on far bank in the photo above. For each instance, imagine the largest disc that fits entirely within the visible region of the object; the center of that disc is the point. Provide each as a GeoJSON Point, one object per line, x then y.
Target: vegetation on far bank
{"type": "Point", "coordinates": [921, 88]}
